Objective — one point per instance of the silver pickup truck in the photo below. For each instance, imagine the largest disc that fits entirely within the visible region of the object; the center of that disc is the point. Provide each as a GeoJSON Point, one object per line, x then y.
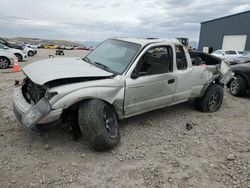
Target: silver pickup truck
{"type": "Point", "coordinates": [121, 78]}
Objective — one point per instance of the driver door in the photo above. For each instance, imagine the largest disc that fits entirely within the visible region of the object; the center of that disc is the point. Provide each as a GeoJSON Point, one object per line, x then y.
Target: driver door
{"type": "Point", "coordinates": [152, 83]}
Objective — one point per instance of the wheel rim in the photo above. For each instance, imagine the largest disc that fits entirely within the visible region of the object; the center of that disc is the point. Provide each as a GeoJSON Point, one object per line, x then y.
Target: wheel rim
{"type": "Point", "coordinates": [30, 53]}
{"type": "Point", "coordinates": [214, 101]}
{"type": "Point", "coordinates": [234, 86]}
{"type": "Point", "coordinates": [19, 57]}
{"type": "Point", "coordinates": [4, 63]}
{"type": "Point", "coordinates": [110, 121]}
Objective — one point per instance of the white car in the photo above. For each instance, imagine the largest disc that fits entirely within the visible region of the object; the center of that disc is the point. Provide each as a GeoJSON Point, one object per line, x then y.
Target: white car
{"type": "Point", "coordinates": [228, 54]}
{"type": "Point", "coordinates": [7, 59]}
{"type": "Point", "coordinates": [32, 45]}
{"type": "Point", "coordinates": [29, 51]}
{"type": "Point", "coordinates": [21, 55]}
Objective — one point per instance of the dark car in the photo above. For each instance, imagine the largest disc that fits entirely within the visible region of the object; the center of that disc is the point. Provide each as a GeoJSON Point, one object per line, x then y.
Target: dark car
{"type": "Point", "coordinates": [242, 59]}
{"type": "Point", "coordinates": [10, 45]}
{"type": "Point", "coordinates": [199, 58]}
{"type": "Point", "coordinates": [240, 84]}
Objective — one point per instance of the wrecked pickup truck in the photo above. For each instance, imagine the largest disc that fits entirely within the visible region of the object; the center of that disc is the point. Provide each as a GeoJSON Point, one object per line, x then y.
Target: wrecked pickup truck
{"type": "Point", "coordinates": [121, 78]}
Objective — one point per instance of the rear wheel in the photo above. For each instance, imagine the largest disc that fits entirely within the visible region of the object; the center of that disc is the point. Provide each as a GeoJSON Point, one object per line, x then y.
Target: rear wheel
{"type": "Point", "coordinates": [19, 57]}
{"type": "Point", "coordinates": [211, 100]}
{"type": "Point", "coordinates": [4, 62]}
{"type": "Point", "coordinates": [98, 120]}
{"type": "Point", "coordinates": [238, 86]}
{"type": "Point", "coordinates": [30, 53]}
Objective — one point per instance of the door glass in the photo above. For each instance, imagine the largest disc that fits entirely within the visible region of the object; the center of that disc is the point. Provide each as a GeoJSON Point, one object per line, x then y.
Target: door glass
{"type": "Point", "coordinates": [157, 60]}
{"type": "Point", "coordinates": [181, 60]}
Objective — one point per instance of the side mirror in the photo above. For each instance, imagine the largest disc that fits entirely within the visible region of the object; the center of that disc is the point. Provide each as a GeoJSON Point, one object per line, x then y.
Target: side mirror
{"type": "Point", "coordinates": [135, 74]}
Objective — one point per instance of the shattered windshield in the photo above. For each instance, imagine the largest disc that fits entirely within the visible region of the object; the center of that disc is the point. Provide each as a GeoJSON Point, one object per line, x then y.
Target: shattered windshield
{"type": "Point", "coordinates": [113, 55]}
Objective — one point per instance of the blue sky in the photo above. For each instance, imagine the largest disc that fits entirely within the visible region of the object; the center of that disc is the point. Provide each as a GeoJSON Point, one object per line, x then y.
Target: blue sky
{"type": "Point", "coordinates": [81, 20]}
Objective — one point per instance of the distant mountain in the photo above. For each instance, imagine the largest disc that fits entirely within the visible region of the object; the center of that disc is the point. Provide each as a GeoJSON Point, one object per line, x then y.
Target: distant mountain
{"type": "Point", "coordinates": [21, 40]}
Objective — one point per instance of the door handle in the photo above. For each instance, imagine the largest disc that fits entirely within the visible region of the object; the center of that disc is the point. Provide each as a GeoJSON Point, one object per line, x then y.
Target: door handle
{"type": "Point", "coordinates": [171, 81]}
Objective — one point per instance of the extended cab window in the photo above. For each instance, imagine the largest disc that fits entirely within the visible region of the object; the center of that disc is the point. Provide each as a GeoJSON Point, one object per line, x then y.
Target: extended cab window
{"type": "Point", "coordinates": [181, 60]}
{"type": "Point", "coordinates": [157, 60]}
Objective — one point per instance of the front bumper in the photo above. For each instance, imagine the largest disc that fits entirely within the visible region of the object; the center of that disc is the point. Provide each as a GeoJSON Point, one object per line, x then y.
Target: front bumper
{"type": "Point", "coordinates": [21, 108]}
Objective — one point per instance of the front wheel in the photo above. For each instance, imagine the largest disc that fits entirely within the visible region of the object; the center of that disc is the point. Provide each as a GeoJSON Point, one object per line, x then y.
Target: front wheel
{"type": "Point", "coordinates": [211, 100]}
{"type": "Point", "coordinates": [98, 120]}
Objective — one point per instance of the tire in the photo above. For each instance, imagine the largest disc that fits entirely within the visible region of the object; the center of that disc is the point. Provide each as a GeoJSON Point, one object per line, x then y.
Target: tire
{"type": "Point", "coordinates": [238, 86]}
{"type": "Point", "coordinates": [98, 122]}
{"type": "Point", "coordinates": [211, 100]}
{"type": "Point", "coordinates": [4, 62]}
{"type": "Point", "coordinates": [30, 53]}
{"type": "Point", "coordinates": [19, 57]}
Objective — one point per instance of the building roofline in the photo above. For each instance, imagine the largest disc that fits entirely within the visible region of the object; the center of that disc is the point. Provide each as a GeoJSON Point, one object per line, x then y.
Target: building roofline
{"type": "Point", "coordinates": [248, 11]}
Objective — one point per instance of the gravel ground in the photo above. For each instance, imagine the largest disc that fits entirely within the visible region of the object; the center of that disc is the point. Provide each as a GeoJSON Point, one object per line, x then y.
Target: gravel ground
{"type": "Point", "coordinates": [156, 148]}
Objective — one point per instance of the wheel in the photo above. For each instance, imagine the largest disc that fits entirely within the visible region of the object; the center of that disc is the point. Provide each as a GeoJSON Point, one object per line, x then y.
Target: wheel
{"type": "Point", "coordinates": [238, 86]}
{"type": "Point", "coordinates": [4, 62]}
{"type": "Point", "coordinates": [30, 53]}
{"type": "Point", "coordinates": [211, 100]}
{"type": "Point", "coordinates": [98, 122]}
{"type": "Point", "coordinates": [19, 57]}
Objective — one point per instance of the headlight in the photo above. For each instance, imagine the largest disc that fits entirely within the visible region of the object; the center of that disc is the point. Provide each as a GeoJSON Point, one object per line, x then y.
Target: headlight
{"type": "Point", "coordinates": [36, 113]}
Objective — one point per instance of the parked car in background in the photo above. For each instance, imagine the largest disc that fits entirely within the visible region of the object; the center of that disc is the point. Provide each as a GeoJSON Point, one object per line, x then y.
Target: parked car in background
{"type": "Point", "coordinates": [242, 59]}
{"type": "Point", "coordinates": [32, 45]}
{"type": "Point", "coordinates": [20, 54]}
{"type": "Point", "coordinates": [199, 58]}
{"type": "Point", "coordinates": [51, 46]}
{"type": "Point", "coordinates": [10, 44]}
{"type": "Point", "coordinates": [7, 59]}
{"type": "Point", "coordinates": [68, 48]}
{"type": "Point", "coordinates": [228, 54]}
{"type": "Point", "coordinates": [28, 50]}
{"type": "Point", "coordinates": [81, 48]}
{"type": "Point", "coordinates": [240, 84]}
{"type": "Point", "coordinates": [121, 78]}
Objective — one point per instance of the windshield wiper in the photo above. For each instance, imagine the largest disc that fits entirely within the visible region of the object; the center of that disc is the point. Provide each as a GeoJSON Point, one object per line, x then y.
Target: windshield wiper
{"type": "Point", "coordinates": [104, 67]}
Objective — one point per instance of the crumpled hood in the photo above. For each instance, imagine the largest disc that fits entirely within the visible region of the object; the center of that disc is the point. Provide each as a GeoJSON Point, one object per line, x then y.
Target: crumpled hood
{"type": "Point", "coordinates": [47, 70]}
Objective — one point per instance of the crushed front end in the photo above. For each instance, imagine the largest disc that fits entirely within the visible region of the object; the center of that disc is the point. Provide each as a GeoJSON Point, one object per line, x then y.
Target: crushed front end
{"type": "Point", "coordinates": [31, 105]}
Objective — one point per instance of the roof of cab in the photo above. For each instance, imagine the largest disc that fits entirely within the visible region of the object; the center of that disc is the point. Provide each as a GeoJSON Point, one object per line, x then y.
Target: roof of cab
{"type": "Point", "coordinates": [146, 41]}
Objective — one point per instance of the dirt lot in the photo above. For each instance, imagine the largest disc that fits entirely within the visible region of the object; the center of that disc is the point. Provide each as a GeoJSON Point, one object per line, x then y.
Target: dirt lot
{"type": "Point", "coordinates": [156, 149]}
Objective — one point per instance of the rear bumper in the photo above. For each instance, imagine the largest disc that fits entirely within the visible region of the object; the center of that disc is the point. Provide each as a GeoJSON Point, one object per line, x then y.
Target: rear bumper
{"type": "Point", "coordinates": [21, 107]}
